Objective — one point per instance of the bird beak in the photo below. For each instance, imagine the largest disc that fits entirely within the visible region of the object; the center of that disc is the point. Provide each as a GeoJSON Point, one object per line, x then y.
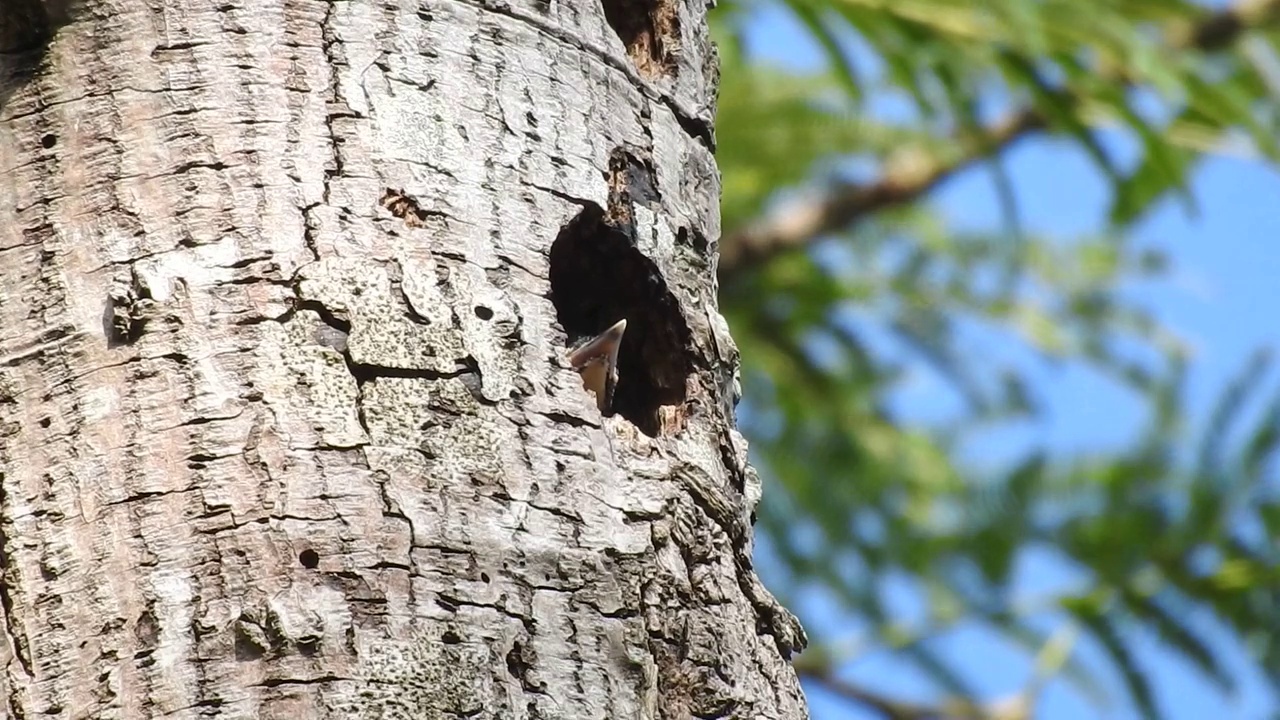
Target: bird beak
{"type": "Point", "coordinates": [597, 362]}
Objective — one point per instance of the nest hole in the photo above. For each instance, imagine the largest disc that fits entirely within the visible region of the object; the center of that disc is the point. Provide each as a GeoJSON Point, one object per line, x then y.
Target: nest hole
{"type": "Point", "coordinates": [649, 29]}
{"type": "Point", "coordinates": [599, 277]}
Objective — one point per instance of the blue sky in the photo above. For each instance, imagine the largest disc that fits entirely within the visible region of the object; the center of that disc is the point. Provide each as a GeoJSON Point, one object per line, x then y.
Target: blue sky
{"type": "Point", "coordinates": [1221, 299]}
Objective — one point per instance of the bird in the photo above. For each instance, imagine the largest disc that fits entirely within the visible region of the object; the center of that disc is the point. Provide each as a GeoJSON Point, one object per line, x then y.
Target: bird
{"type": "Point", "coordinates": [597, 362]}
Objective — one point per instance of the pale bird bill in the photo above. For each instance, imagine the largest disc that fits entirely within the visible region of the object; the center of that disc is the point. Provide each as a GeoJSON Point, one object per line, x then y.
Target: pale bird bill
{"type": "Point", "coordinates": [597, 362]}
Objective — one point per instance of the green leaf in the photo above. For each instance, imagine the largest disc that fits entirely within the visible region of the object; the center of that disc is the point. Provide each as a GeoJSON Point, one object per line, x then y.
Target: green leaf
{"type": "Point", "coordinates": [1135, 680]}
{"type": "Point", "coordinates": [1063, 112]}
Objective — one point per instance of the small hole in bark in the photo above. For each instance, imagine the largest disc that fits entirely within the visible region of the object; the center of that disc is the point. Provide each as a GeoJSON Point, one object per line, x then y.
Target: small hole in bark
{"type": "Point", "coordinates": [44, 422]}
{"type": "Point", "coordinates": [48, 141]}
{"type": "Point", "coordinates": [450, 638]}
{"type": "Point", "coordinates": [309, 558]}
{"type": "Point", "coordinates": [483, 312]}
{"type": "Point", "coordinates": [484, 577]}
{"type": "Point", "coordinates": [632, 181]}
{"type": "Point", "coordinates": [649, 29]}
{"type": "Point", "coordinates": [599, 277]}
{"type": "Point", "coordinates": [517, 665]}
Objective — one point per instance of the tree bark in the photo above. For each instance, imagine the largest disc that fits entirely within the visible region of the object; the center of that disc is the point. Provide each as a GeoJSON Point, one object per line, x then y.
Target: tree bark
{"type": "Point", "coordinates": [286, 425]}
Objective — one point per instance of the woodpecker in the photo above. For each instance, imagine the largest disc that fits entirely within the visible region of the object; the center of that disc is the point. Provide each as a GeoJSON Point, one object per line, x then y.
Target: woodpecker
{"type": "Point", "coordinates": [597, 362]}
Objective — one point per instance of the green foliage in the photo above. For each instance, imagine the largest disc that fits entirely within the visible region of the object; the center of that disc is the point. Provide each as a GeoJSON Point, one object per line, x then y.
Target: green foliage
{"type": "Point", "coordinates": [1161, 526]}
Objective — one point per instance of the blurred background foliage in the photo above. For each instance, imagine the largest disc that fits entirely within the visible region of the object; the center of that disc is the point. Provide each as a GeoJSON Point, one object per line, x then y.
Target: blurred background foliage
{"type": "Point", "coordinates": [841, 281]}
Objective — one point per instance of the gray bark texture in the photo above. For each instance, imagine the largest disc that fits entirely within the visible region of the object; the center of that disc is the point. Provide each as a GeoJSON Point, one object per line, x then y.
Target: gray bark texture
{"type": "Point", "coordinates": [286, 424]}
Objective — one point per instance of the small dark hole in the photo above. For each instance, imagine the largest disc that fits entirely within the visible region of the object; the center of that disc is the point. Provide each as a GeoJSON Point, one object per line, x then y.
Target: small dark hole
{"type": "Point", "coordinates": [484, 577]}
{"type": "Point", "coordinates": [309, 558]}
{"type": "Point", "coordinates": [450, 638]}
{"type": "Point", "coordinates": [484, 313]}
{"type": "Point", "coordinates": [515, 664]}
{"type": "Point", "coordinates": [44, 422]}
{"type": "Point", "coordinates": [48, 141]}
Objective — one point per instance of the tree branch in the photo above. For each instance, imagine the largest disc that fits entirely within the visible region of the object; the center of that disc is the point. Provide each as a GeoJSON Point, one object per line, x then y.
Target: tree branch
{"type": "Point", "coordinates": [846, 204]}
{"type": "Point", "coordinates": [1014, 709]}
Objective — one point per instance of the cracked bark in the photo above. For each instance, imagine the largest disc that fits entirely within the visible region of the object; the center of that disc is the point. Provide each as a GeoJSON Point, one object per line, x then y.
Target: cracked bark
{"type": "Point", "coordinates": [286, 429]}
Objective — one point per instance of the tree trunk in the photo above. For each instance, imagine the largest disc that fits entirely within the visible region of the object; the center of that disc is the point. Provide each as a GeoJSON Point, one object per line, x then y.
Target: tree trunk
{"type": "Point", "coordinates": [286, 425]}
